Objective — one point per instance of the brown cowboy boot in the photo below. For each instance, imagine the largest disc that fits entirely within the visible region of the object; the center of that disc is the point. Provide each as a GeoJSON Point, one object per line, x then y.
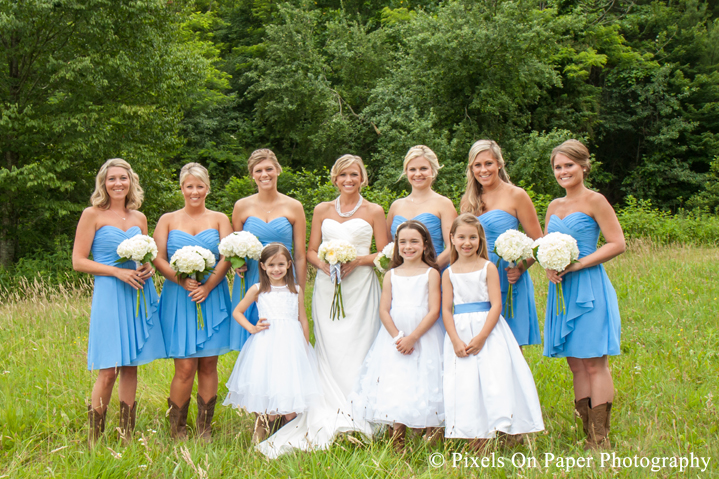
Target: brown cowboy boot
{"type": "Point", "coordinates": [205, 412]}
{"type": "Point", "coordinates": [96, 421]}
{"type": "Point", "coordinates": [178, 419]}
{"type": "Point", "coordinates": [399, 432]}
{"type": "Point", "coordinates": [262, 429]}
{"type": "Point", "coordinates": [599, 427]}
{"type": "Point", "coordinates": [581, 410]}
{"type": "Point", "coordinates": [433, 435]}
{"type": "Point", "coordinates": [127, 422]}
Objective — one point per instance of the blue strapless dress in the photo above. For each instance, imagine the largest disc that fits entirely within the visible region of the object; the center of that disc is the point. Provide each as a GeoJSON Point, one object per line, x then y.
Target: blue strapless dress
{"type": "Point", "coordinates": [279, 230]}
{"type": "Point", "coordinates": [591, 326]}
{"type": "Point", "coordinates": [525, 323]}
{"type": "Point", "coordinates": [433, 224]}
{"type": "Point", "coordinates": [178, 312]}
{"type": "Point", "coordinates": [117, 337]}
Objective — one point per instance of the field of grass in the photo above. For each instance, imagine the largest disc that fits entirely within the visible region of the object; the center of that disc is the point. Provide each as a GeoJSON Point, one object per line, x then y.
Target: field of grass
{"type": "Point", "coordinates": [666, 382]}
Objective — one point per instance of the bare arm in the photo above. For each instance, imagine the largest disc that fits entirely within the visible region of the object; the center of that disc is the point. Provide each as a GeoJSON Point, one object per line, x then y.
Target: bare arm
{"type": "Point", "coordinates": [385, 305]}
{"type": "Point", "coordinates": [299, 238]}
{"type": "Point", "coordinates": [240, 317]}
{"type": "Point", "coordinates": [200, 293]}
{"type": "Point", "coordinates": [495, 297]}
{"type": "Point", "coordinates": [447, 217]}
{"type": "Point", "coordinates": [428, 321]}
{"type": "Point", "coordinates": [303, 316]}
{"type": "Point", "coordinates": [238, 216]}
{"type": "Point", "coordinates": [527, 216]}
{"type": "Point", "coordinates": [316, 239]}
{"type": "Point", "coordinates": [460, 349]}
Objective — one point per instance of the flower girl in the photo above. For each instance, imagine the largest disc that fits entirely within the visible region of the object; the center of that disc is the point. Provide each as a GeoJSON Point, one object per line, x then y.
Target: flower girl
{"type": "Point", "coordinates": [488, 387]}
{"type": "Point", "coordinates": [276, 371]}
{"type": "Point", "coordinates": [400, 382]}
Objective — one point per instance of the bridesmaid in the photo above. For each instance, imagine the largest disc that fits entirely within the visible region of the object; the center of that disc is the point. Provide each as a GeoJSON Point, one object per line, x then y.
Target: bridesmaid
{"type": "Point", "coordinates": [272, 217]}
{"type": "Point", "coordinates": [194, 350]}
{"type": "Point", "coordinates": [119, 340]}
{"type": "Point", "coordinates": [501, 206]}
{"type": "Point", "coordinates": [590, 329]}
{"type": "Point", "coordinates": [423, 204]}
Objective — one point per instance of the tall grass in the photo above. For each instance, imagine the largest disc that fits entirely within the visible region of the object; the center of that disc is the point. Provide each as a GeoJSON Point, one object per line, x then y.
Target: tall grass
{"type": "Point", "coordinates": [666, 383]}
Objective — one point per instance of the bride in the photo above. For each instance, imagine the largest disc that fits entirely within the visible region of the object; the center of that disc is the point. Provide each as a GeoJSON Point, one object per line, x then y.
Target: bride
{"type": "Point", "coordinates": [341, 345]}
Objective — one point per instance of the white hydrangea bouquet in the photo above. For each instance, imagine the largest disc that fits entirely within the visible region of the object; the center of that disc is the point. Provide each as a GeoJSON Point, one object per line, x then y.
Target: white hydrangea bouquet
{"type": "Point", "coordinates": [335, 253]}
{"type": "Point", "coordinates": [384, 258]}
{"type": "Point", "coordinates": [141, 249]}
{"type": "Point", "coordinates": [512, 246]}
{"type": "Point", "coordinates": [237, 248]}
{"type": "Point", "coordinates": [556, 251]}
{"type": "Point", "coordinates": [193, 262]}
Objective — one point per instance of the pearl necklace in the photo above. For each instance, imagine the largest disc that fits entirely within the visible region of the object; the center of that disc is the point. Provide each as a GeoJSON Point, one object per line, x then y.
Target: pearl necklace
{"type": "Point", "coordinates": [349, 213]}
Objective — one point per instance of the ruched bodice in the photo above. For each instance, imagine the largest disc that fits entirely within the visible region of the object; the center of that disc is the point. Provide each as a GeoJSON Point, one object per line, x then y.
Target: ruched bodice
{"type": "Point", "coordinates": [280, 305]}
{"type": "Point", "coordinates": [356, 231]}
{"type": "Point", "coordinates": [277, 230]}
{"type": "Point", "coordinates": [118, 335]}
{"type": "Point", "coordinates": [178, 313]}
{"type": "Point", "coordinates": [208, 239]}
{"type": "Point", "coordinates": [524, 323]}
{"type": "Point", "coordinates": [579, 226]}
{"type": "Point", "coordinates": [433, 224]}
{"type": "Point", "coordinates": [591, 326]}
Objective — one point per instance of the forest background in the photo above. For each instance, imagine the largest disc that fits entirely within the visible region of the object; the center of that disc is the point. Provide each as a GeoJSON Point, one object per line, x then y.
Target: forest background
{"type": "Point", "coordinates": [161, 83]}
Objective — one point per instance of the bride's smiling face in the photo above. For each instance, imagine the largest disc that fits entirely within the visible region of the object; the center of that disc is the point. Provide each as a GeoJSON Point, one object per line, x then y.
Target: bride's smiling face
{"type": "Point", "coordinates": [349, 180]}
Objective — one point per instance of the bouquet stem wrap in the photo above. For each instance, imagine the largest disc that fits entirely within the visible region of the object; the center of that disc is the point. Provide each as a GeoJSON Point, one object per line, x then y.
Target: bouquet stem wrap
{"type": "Point", "coordinates": [200, 320]}
{"type": "Point", "coordinates": [337, 307]}
{"type": "Point", "coordinates": [138, 265]}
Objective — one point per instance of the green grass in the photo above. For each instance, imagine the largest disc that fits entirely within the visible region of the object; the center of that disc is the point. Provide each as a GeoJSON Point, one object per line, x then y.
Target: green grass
{"type": "Point", "coordinates": [666, 382]}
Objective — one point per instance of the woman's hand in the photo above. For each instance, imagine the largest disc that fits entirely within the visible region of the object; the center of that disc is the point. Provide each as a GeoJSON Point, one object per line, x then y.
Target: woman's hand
{"type": "Point", "coordinates": [347, 268]}
{"type": "Point", "coordinates": [553, 276]}
{"type": "Point", "coordinates": [325, 268]}
{"type": "Point", "coordinates": [200, 293]}
{"type": "Point", "coordinates": [513, 274]}
{"type": "Point", "coordinates": [571, 268]}
{"type": "Point", "coordinates": [189, 284]}
{"type": "Point", "coordinates": [460, 349]}
{"type": "Point", "coordinates": [146, 271]}
{"type": "Point", "coordinates": [130, 276]}
{"type": "Point", "coordinates": [476, 344]}
{"type": "Point", "coordinates": [261, 325]}
{"type": "Point", "coordinates": [241, 270]}
{"type": "Point", "coordinates": [405, 345]}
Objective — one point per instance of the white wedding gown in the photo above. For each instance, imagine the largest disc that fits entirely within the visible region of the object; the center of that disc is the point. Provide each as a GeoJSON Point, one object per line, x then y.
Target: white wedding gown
{"type": "Point", "coordinates": [340, 345]}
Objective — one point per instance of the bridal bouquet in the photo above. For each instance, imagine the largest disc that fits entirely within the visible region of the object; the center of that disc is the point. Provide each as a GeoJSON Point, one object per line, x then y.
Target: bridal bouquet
{"type": "Point", "coordinates": [141, 249]}
{"type": "Point", "coordinates": [556, 251]}
{"type": "Point", "coordinates": [512, 246]}
{"type": "Point", "coordinates": [384, 258]}
{"type": "Point", "coordinates": [337, 252]}
{"type": "Point", "coordinates": [237, 248]}
{"type": "Point", "coordinates": [193, 262]}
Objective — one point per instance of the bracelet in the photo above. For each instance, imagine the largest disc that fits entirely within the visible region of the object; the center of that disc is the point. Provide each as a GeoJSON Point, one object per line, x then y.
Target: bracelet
{"type": "Point", "coordinates": [399, 336]}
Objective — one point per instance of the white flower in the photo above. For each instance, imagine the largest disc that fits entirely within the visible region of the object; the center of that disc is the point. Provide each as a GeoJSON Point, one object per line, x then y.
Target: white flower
{"type": "Point", "coordinates": [140, 248]}
{"type": "Point", "coordinates": [192, 259]}
{"type": "Point", "coordinates": [513, 246]}
{"type": "Point", "coordinates": [242, 244]}
{"type": "Point", "coordinates": [383, 259]}
{"type": "Point", "coordinates": [556, 251]}
{"type": "Point", "coordinates": [337, 251]}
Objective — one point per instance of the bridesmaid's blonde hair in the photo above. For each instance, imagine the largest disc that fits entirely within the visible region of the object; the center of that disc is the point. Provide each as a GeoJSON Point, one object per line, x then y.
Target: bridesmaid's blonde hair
{"type": "Point", "coordinates": [471, 220]}
{"type": "Point", "coordinates": [421, 151]}
{"type": "Point", "coordinates": [261, 155]}
{"type": "Point", "coordinates": [472, 199]}
{"type": "Point", "coordinates": [196, 170]}
{"type": "Point", "coordinates": [101, 199]}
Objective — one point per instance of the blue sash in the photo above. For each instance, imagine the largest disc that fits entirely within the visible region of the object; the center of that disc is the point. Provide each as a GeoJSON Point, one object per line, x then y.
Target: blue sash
{"type": "Point", "coordinates": [478, 307]}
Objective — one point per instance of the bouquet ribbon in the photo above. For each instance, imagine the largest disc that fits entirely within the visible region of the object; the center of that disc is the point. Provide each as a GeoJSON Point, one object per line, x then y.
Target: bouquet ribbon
{"type": "Point", "coordinates": [337, 307]}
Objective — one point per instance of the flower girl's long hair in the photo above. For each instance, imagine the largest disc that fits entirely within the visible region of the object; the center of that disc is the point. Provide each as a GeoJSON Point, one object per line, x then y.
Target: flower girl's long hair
{"type": "Point", "coordinates": [428, 255]}
{"type": "Point", "coordinates": [268, 252]}
{"type": "Point", "coordinates": [471, 220]}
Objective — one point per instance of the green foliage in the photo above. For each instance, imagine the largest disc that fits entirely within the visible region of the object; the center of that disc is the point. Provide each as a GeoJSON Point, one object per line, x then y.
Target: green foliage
{"type": "Point", "coordinates": [640, 220]}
